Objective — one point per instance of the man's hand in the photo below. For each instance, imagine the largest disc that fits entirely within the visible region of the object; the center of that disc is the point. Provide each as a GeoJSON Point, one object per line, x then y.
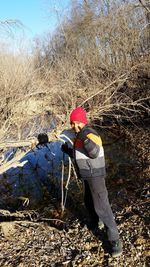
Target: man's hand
{"type": "Point", "coordinates": [64, 148]}
{"type": "Point", "coordinates": [77, 128]}
{"type": "Point", "coordinates": [82, 135]}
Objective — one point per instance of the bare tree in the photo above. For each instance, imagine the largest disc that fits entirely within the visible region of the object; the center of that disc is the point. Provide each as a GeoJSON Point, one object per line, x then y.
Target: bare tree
{"type": "Point", "coordinates": [9, 25]}
{"type": "Point", "coordinates": [146, 5]}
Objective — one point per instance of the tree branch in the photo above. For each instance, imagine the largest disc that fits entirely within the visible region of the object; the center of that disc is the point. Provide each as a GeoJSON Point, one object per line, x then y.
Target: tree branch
{"type": "Point", "coordinates": [145, 6]}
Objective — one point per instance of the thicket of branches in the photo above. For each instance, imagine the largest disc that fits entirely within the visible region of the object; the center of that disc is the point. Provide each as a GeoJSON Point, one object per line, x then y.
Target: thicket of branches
{"type": "Point", "coordinates": [96, 52]}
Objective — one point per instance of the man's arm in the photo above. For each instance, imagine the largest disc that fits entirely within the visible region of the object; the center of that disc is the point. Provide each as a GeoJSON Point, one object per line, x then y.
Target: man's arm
{"type": "Point", "coordinates": [92, 143]}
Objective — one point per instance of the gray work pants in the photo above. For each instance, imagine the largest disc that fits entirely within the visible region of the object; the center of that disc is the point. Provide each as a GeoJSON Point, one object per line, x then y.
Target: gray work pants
{"type": "Point", "coordinates": [102, 206]}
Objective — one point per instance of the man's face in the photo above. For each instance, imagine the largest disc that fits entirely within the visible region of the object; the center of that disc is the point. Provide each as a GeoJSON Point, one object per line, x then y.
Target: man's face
{"type": "Point", "coordinates": [77, 126]}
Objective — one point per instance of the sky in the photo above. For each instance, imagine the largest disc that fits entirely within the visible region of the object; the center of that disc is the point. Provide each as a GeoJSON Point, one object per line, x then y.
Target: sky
{"type": "Point", "coordinates": [37, 16]}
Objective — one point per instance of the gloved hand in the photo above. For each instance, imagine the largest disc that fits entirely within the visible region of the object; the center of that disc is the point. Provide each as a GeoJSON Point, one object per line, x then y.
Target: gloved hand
{"type": "Point", "coordinates": [64, 148]}
{"type": "Point", "coordinates": [82, 135]}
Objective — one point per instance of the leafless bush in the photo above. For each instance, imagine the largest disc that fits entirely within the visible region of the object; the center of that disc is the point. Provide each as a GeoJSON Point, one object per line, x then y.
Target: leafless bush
{"type": "Point", "coordinates": [90, 60]}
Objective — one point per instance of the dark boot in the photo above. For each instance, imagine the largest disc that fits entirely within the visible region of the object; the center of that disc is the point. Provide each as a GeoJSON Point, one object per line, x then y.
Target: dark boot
{"type": "Point", "coordinates": [116, 247]}
{"type": "Point", "coordinates": [95, 227]}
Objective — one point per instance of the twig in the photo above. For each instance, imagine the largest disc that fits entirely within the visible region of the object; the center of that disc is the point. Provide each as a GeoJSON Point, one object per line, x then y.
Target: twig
{"type": "Point", "coordinates": [145, 6]}
{"type": "Point", "coordinates": [25, 200]}
{"type": "Point", "coordinates": [105, 88]}
{"type": "Point", "coordinates": [47, 219]}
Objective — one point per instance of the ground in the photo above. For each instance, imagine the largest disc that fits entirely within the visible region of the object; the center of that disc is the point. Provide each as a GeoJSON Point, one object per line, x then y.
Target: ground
{"type": "Point", "coordinates": [43, 237]}
{"type": "Point", "coordinates": [34, 242]}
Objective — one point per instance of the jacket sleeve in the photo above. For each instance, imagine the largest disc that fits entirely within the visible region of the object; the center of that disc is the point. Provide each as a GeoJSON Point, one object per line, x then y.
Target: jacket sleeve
{"type": "Point", "coordinates": [92, 145]}
{"type": "Point", "coordinates": [92, 142]}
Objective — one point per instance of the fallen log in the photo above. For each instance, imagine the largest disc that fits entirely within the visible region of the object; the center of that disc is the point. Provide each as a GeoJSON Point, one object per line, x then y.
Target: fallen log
{"type": "Point", "coordinates": [21, 143]}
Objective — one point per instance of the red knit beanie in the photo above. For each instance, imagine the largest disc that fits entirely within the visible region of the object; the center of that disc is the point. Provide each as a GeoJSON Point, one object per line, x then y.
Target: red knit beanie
{"type": "Point", "coordinates": [78, 114]}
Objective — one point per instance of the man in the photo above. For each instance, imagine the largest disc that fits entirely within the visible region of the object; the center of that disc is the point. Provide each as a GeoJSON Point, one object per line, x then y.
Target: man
{"type": "Point", "coordinates": [88, 153]}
